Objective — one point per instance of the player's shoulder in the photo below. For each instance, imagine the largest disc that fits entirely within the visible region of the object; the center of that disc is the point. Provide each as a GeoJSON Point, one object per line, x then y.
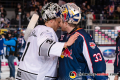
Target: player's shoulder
{"type": "Point", "coordinates": [43, 28]}
{"type": "Point", "coordinates": [84, 34]}
{"type": "Point", "coordinates": [38, 27]}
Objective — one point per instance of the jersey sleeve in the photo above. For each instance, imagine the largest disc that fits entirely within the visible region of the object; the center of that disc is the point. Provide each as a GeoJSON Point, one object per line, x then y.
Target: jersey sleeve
{"type": "Point", "coordinates": [93, 56]}
{"type": "Point", "coordinates": [10, 42]}
{"type": "Point", "coordinates": [48, 46]}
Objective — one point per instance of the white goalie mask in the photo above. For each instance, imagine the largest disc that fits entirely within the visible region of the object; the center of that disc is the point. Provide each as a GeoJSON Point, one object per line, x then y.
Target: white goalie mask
{"type": "Point", "coordinates": [50, 11]}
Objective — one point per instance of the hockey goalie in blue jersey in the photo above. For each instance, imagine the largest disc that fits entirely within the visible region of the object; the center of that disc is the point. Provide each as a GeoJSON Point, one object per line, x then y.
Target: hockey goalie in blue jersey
{"type": "Point", "coordinates": [83, 56]}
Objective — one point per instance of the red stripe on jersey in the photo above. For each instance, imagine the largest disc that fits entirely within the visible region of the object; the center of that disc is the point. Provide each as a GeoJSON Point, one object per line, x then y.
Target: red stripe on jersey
{"type": "Point", "coordinates": [117, 59]}
{"type": "Point", "coordinates": [87, 49]}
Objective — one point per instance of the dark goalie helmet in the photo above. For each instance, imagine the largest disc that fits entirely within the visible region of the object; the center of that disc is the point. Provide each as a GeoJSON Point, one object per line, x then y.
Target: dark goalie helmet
{"type": "Point", "coordinates": [50, 11]}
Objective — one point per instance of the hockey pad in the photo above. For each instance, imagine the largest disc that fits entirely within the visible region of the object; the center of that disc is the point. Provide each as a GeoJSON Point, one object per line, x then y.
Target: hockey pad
{"type": "Point", "coordinates": [45, 47]}
{"type": "Point", "coordinates": [31, 26]}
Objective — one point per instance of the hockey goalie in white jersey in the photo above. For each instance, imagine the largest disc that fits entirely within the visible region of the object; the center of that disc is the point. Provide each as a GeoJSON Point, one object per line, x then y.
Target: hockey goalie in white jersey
{"type": "Point", "coordinates": [43, 49]}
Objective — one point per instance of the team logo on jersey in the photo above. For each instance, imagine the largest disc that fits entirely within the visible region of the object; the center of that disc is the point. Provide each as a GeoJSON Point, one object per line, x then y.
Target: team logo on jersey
{"type": "Point", "coordinates": [33, 34]}
{"type": "Point", "coordinates": [92, 45]}
{"type": "Point", "coordinates": [67, 53]}
{"type": "Point", "coordinates": [72, 74]}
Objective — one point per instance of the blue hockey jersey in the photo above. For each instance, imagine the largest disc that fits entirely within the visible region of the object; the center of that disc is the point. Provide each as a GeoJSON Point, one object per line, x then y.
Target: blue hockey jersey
{"type": "Point", "coordinates": [82, 57]}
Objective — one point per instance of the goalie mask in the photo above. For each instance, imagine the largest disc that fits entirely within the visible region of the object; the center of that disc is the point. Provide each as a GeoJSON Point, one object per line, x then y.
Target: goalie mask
{"type": "Point", "coordinates": [71, 13]}
{"type": "Point", "coordinates": [50, 11]}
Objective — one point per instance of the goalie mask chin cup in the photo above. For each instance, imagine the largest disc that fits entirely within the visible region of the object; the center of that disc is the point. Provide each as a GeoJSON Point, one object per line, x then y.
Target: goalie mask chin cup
{"type": "Point", "coordinates": [50, 11]}
{"type": "Point", "coordinates": [70, 13]}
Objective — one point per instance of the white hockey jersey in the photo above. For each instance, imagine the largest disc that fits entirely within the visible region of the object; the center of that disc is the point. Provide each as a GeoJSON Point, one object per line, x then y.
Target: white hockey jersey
{"type": "Point", "coordinates": [39, 61]}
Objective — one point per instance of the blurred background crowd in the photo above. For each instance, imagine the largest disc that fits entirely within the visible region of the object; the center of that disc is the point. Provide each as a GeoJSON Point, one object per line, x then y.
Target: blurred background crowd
{"type": "Point", "coordinates": [12, 45]}
{"type": "Point", "coordinates": [100, 11]}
